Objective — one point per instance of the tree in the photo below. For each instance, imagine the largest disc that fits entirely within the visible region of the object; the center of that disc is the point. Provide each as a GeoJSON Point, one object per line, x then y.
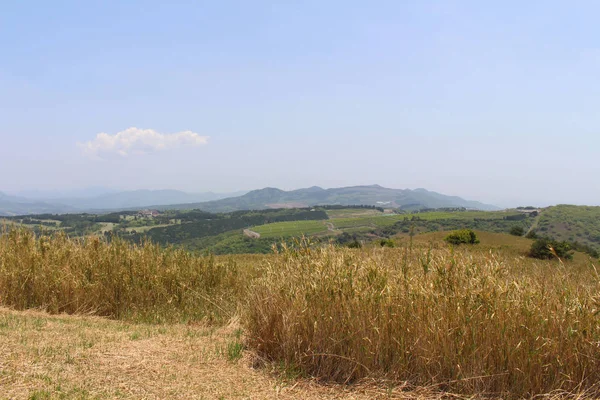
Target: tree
{"type": "Point", "coordinates": [531, 235]}
{"type": "Point", "coordinates": [517, 231]}
{"type": "Point", "coordinates": [546, 249]}
{"type": "Point", "coordinates": [466, 236]}
{"type": "Point", "coordinates": [387, 243]}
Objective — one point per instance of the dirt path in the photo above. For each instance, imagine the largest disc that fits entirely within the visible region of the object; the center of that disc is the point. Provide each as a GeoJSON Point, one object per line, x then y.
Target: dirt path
{"type": "Point", "coordinates": [535, 223]}
{"type": "Point", "coordinates": [251, 234]}
{"type": "Point", "coordinates": [44, 357]}
{"type": "Point", "coordinates": [331, 227]}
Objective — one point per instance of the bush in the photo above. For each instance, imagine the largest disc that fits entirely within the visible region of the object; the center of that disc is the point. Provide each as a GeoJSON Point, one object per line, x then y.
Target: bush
{"type": "Point", "coordinates": [531, 235]}
{"type": "Point", "coordinates": [466, 236]}
{"type": "Point", "coordinates": [387, 243]}
{"type": "Point", "coordinates": [355, 244]}
{"type": "Point", "coordinates": [517, 231]}
{"type": "Point", "coordinates": [546, 249]}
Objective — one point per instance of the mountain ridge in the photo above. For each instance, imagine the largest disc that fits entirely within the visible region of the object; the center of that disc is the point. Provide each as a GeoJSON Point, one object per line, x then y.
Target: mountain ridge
{"type": "Point", "coordinates": [268, 197]}
{"type": "Point", "coordinates": [374, 195]}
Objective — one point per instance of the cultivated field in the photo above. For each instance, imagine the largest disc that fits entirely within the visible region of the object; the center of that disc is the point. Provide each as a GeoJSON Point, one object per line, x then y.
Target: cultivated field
{"type": "Point", "coordinates": [364, 219]}
{"type": "Point", "coordinates": [290, 228]}
{"type": "Point", "coordinates": [421, 319]}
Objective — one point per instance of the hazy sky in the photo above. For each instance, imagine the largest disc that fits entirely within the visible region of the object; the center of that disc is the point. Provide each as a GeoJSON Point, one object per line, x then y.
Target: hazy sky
{"type": "Point", "coordinates": [491, 101]}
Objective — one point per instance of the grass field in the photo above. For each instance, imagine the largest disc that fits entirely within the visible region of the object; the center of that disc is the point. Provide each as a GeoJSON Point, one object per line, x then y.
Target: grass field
{"type": "Point", "coordinates": [383, 220]}
{"type": "Point", "coordinates": [472, 321]}
{"type": "Point", "coordinates": [352, 213]}
{"type": "Point", "coordinates": [291, 228]}
{"type": "Point", "coordinates": [106, 226]}
{"type": "Point", "coordinates": [82, 357]}
{"type": "Point", "coordinates": [146, 227]}
{"type": "Point", "coordinates": [356, 220]}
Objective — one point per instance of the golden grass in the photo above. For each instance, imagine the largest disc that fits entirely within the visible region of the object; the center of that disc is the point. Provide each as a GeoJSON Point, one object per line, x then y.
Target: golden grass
{"type": "Point", "coordinates": [117, 279]}
{"type": "Point", "coordinates": [465, 321]}
{"type": "Point", "coordinates": [419, 321]}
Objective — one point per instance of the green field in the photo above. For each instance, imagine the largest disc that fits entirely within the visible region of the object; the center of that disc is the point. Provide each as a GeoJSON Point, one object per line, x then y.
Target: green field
{"type": "Point", "coordinates": [353, 220]}
{"type": "Point", "coordinates": [379, 221]}
{"type": "Point", "coordinates": [352, 213]}
{"type": "Point", "coordinates": [290, 228]}
{"type": "Point", "coordinates": [383, 220]}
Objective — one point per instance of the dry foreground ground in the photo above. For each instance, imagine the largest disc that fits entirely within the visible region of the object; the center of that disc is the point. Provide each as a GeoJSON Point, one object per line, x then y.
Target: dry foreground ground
{"type": "Point", "coordinates": [46, 356]}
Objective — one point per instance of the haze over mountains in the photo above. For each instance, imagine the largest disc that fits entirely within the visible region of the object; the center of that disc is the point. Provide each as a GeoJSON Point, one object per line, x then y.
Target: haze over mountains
{"type": "Point", "coordinates": [223, 202]}
{"type": "Point", "coordinates": [15, 205]}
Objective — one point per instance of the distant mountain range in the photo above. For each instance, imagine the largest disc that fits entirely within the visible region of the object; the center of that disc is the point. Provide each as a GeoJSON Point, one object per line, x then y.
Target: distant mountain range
{"type": "Point", "coordinates": [19, 205]}
{"type": "Point", "coordinates": [374, 195]}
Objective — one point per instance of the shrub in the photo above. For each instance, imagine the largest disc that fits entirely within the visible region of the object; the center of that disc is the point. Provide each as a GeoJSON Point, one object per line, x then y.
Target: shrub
{"type": "Point", "coordinates": [546, 249]}
{"type": "Point", "coordinates": [531, 235]}
{"type": "Point", "coordinates": [355, 244]}
{"type": "Point", "coordinates": [517, 231]}
{"type": "Point", "coordinates": [387, 243]}
{"type": "Point", "coordinates": [463, 236]}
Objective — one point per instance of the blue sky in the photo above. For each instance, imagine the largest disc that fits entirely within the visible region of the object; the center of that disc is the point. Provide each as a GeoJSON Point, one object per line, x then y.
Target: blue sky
{"type": "Point", "coordinates": [493, 102]}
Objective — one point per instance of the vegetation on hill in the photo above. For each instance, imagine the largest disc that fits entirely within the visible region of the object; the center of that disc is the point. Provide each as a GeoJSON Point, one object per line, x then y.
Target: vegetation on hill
{"type": "Point", "coordinates": [579, 225]}
{"type": "Point", "coordinates": [222, 233]}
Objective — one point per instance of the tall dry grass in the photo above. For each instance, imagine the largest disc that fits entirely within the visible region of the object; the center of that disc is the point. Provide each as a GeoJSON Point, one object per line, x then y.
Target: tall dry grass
{"type": "Point", "coordinates": [465, 321]}
{"type": "Point", "coordinates": [117, 279]}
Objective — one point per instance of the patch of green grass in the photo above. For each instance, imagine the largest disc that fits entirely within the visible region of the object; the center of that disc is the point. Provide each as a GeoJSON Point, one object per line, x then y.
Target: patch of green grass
{"type": "Point", "coordinates": [352, 213]}
{"type": "Point", "coordinates": [234, 350]}
{"type": "Point", "coordinates": [40, 395]}
{"type": "Point", "coordinates": [290, 228]}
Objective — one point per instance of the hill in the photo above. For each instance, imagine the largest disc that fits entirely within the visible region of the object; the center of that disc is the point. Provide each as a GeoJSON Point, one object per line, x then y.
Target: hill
{"type": "Point", "coordinates": [16, 205]}
{"type": "Point", "coordinates": [575, 224]}
{"type": "Point", "coordinates": [373, 195]}
{"type": "Point", "coordinates": [140, 198]}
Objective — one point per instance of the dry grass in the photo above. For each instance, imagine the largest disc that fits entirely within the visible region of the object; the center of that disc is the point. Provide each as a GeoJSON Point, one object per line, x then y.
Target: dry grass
{"type": "Point", "coordinates": [117, 279]}
{"type": "Point", "coordinates": [464, 321]}
{"type": "Point", "coordinates": [77, 357]}
{"type": "Point", "coordinates": [420, 321]}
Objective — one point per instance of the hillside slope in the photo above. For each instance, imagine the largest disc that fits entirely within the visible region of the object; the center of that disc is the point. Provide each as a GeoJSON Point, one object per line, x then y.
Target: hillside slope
{"type": "Point", "coordinates": [571, 223]}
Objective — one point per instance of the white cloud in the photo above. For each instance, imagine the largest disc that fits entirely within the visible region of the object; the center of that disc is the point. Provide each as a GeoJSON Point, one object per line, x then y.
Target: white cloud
{"type": "Point", "coordinates": [139, 141]}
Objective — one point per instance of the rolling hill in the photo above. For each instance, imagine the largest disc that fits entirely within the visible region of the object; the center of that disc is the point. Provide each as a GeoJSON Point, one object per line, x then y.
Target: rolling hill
{"type": "Point", "coordinates": [580, 224]}
{"type": "Point", "coordinates": [373, 195]}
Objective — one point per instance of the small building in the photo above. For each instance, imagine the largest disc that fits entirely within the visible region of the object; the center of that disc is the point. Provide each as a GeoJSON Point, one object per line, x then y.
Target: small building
{"type": "Point", "coordinates": [148, 213]}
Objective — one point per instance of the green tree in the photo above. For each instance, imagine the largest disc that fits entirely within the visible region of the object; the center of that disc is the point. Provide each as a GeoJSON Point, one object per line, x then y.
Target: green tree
{"type": "Point", "coordinates": [517, 231]}
{"type": "Point", "coordinates": [463, 236]}
{"type": "Point", "coordinates": [546, 249]}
